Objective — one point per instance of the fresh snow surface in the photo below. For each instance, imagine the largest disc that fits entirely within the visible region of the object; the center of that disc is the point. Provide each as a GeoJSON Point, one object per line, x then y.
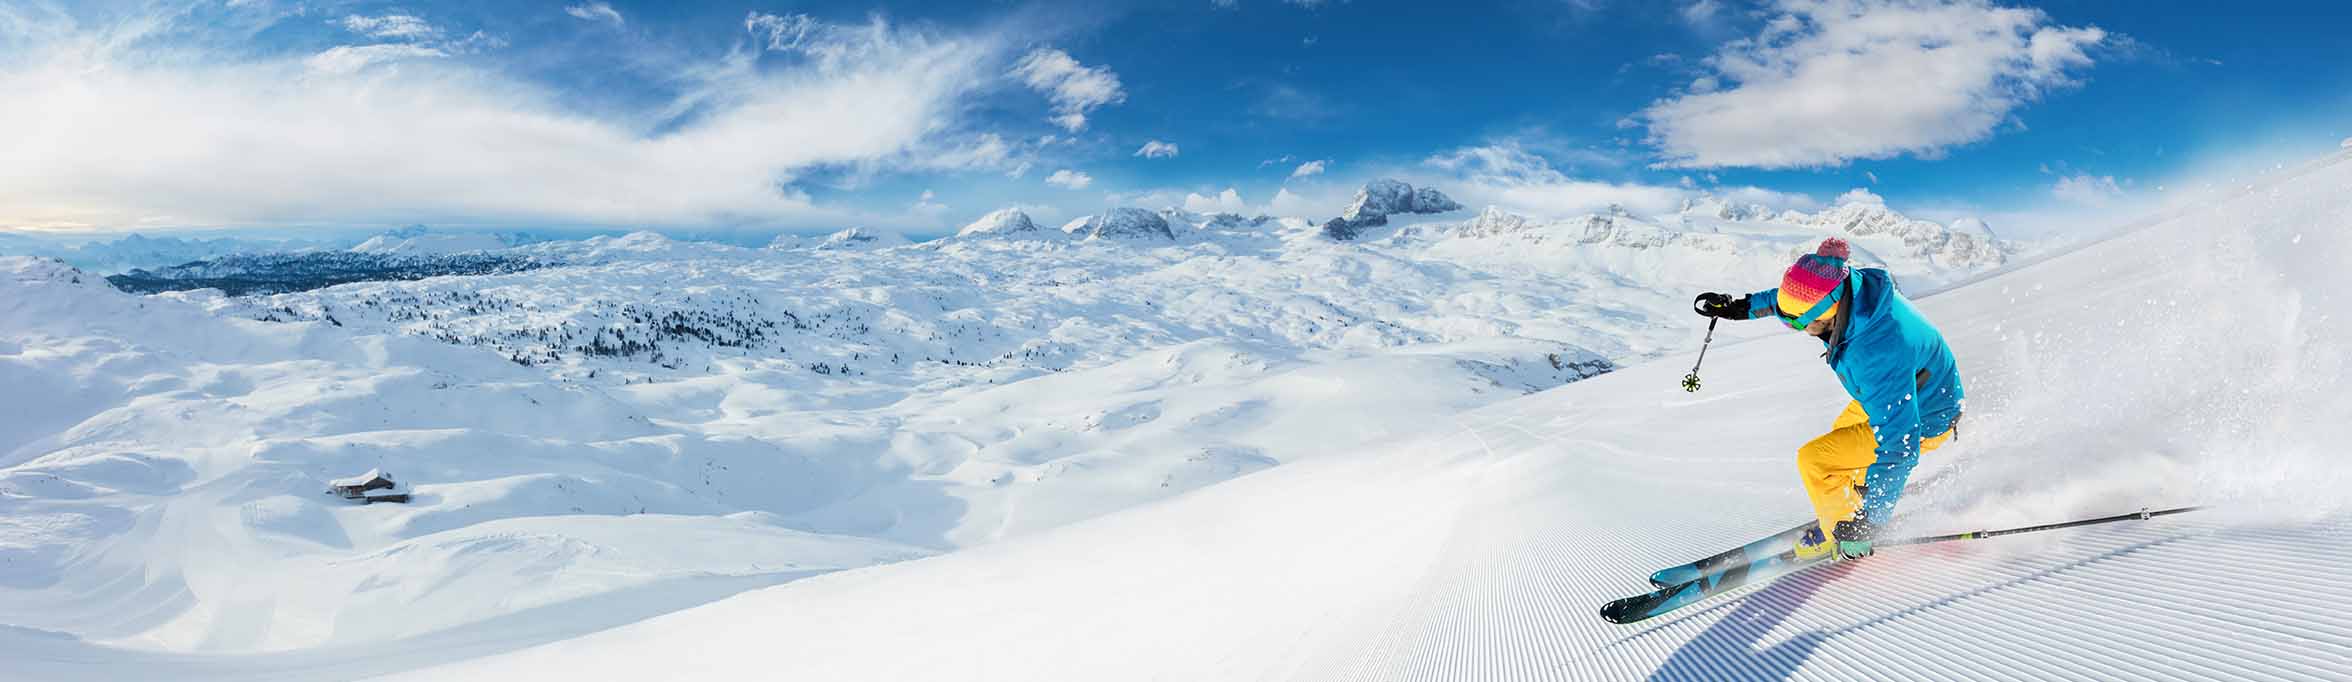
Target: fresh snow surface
{"type": "Point", "coordinates": [2201, 360]}
{"type": "Point", "coordinates": [1235, 449]}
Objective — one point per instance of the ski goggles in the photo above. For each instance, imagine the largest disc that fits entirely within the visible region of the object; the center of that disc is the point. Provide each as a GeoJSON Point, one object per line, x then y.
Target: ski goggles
{"type": "Point", "coordinates": [1819, 308]}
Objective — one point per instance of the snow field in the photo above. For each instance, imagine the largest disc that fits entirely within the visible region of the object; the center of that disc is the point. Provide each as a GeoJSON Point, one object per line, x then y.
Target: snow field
{"type": "Point", "coordinates": [2194, 362]}
{"type": "Point", "coordinates": [162, 496]}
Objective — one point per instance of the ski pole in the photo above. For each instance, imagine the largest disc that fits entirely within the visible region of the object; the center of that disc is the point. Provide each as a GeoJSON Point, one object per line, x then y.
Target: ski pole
{"type": "Point", "coordinates": [2141, 515]}
{"type": "Point", "coordinates": [1690, 382]}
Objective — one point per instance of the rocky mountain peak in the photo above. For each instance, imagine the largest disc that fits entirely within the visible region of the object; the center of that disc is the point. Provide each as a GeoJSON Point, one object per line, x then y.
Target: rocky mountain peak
{"type": "Point", "coordinates": [1382, 198]}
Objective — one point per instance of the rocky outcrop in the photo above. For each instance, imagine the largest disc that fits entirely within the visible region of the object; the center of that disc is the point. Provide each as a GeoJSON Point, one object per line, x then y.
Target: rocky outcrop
{"type": "Point", "coordinates": [1380, 199]}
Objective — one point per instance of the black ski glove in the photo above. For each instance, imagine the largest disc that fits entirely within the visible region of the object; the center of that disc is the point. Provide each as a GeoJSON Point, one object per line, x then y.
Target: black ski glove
{"type": "Point", "coordinates": [1725, 306]}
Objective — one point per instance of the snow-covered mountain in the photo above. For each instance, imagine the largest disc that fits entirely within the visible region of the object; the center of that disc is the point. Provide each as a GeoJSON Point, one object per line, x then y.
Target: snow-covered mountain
{"type": "Point", "coordinates": [1380, 199]}
{"type": "Point", "coordinates": [1481, 548]}
{"type": "Point", "coordinates": [862, 238]}
{"type": "Point", "coordinates": [1709, 230]}
{"type": "Point", "coordinates": [134, 251]}
{"type": "Point", "coordinates": [639, 424]}
{"type": "Point", "coordinates": [1121, 223]}
{"type": "Point", "coordinates": [1964, 245]}
{"type": "Point", "coordinates": [1007, 223]}
{"type": "Point", "coordinates": [418, 240]}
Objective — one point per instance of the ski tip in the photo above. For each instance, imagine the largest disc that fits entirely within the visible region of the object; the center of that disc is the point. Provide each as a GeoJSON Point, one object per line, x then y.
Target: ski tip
{"type": "Point", "coordinates": [1629, 609]}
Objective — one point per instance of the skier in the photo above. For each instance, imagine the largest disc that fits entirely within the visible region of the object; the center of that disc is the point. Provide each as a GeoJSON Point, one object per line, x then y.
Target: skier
{"type": "Point", "coordinates": [1904, 383]}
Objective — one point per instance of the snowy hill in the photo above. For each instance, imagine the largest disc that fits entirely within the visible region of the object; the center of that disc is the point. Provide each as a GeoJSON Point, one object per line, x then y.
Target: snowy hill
{"type": "Point", "coordinates": [1009, 223]}
{"type": "Point", "coordinates": [640, 424]}
{"type": "Point", "coordinates": [1481, 548]}
{"type": "Point", "coordinates": [417, 240]}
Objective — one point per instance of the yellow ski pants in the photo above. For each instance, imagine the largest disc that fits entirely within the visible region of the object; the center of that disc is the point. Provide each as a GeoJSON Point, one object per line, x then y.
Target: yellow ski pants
{"type": "Point", "coordinates": [1833, 465]}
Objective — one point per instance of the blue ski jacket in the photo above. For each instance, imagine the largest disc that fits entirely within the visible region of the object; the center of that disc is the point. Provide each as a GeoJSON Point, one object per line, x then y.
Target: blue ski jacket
{"type": "Point", "coordinates": [1897, 366]}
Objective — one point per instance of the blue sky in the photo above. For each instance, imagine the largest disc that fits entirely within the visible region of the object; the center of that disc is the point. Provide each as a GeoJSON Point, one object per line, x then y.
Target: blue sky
{"type": "Point", "coordinates": [812, 116]}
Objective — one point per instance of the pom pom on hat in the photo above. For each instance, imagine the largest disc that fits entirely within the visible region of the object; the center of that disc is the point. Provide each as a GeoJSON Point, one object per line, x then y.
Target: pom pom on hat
{"type": "Point", "coordinates": [1835, 248]}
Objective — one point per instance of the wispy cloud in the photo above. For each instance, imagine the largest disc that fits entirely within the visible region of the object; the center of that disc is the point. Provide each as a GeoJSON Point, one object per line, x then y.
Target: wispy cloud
{"type": "Point", "coordinates": [597, 10]}
{"type": "Point", "coordinates": [1828, 81]}
{"type": "Point", "coordinates": [2084, 189]}
{"type": "Point", "coordinates": [927, 206]}
{"type": "Point", "coordinates": [1074, 88]}
{"type": "Point", "coordinates": [346, 59]}
{"type": "Point", "coordinates": [1310, 168]}
{"type": "Point", "coordinates": [396, 26]}
{"type": "Point", "coordinates": [1156, 149]}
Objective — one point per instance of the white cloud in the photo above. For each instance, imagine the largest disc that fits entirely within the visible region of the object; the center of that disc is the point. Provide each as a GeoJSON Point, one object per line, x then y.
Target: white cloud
{"type": "Point", "coordinates": [1859, 196]}
{"type": "Point", "coordinates": [1156, 149]}
{"type": "Point", "coordinates": [2087, 190]}
{"type": "Point", "coordinates": [1287, 203]}
{"type": "Point", "coordinates": [596, 10]}
{"type": "Point", "coordinates": [1276, 161]}
{"type": "Point", "coordinates": [1019, 169]}
{"type": "Point", "coordinates": [1829, 81]}
{"type": "Point", "coordinates": [1508, 175]}
{"type": "Point", "coordinates": [1069, 179]}
{"type": "Point", "coordinates": [347, 59]}
{"type": "Point", "coordinates": [832, 47]}
{"type": "Point", "coordinates": [1310, 168]}
{"type": "Point", "coordinates": [393, 26]}
{"type": "Point", "coordinates": [1872, 176]}
{"type": "Point", "coordinates": [1228, 201]}
{"type": "Point", "coordinates": [1074, 88]}
{"type": "Point", "coordinates": [1699, 13]}
{"type": "Point", "coordinates": [307, 139]}
{"type": "Point", "coordinates": [1504, 161]}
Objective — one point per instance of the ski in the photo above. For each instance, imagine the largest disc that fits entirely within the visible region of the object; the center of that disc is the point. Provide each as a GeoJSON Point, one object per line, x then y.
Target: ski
{"type": "Point", "coordinates": [1770, 545]}
{"type": "Point", "coordinates": [1730, 576]}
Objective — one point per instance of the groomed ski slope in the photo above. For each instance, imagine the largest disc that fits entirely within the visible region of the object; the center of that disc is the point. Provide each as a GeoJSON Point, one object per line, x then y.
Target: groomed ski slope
{"type": "Point", "coordinates": [2201, 360]}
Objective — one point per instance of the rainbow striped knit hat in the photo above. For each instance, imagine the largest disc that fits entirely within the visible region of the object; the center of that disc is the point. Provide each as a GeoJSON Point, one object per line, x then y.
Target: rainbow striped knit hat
{"type": "Point", "coordinates": [1814, 277]}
